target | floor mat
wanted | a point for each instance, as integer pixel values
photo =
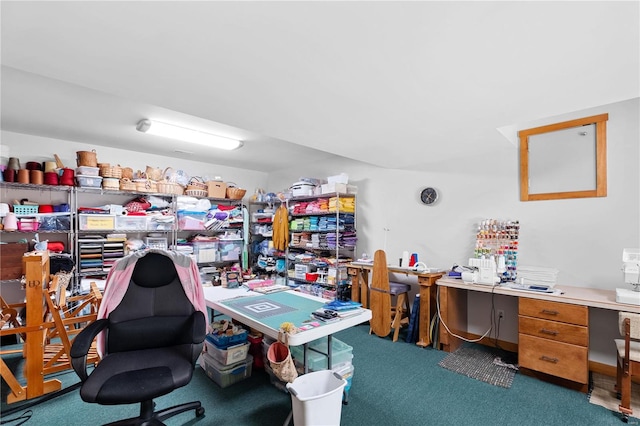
(603, 394)
(478, 364)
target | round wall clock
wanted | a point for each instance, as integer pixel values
(429, 196)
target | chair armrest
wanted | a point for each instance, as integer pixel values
(82, 344)
(198, 327)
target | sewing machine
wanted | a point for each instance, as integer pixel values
(485, 271)
(631, 271)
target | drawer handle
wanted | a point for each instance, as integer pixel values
(551, 332)
(549, 312)
(549, 359)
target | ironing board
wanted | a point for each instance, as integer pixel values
(380, 297)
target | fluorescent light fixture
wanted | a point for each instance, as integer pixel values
(187, 135)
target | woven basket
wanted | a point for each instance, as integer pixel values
(127, 185)
(108, 171)
(111, 183)
(127, 173)
(196, 192)
(196, 188)
(146, 185)
(166, 187)
(87, 158)
(234, 193)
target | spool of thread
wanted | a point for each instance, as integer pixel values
(405, 259)
(23, 176)
(36, 176)
(414, 259)
(10, 222)
(50, 178)
(67, 177)
(9, 175)
(14, 163)
(34, 165)
(49, 166)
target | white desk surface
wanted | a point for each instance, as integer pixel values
(213, 295)
(592, 297)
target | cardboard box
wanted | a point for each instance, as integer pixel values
(11, 260)
(216, 189)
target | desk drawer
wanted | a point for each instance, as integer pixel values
(554, 330)
(555, 358)
(554, 311)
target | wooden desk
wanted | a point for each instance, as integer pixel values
(452, 301)
(359, 274)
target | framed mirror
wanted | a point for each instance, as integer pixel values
(564, 160)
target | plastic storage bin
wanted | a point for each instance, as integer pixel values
(223, 341)
(206, 251)
(231, 355)
(89, 222)
(87, 171)
(316, 398)
(230, 250)
(226, 375)
(89, 181)
(191, 220)
(131, 223)
(340, 353)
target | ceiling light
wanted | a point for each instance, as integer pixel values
(187, 135)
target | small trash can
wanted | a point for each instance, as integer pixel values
(316, 398)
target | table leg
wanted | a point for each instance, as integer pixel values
(424, 339)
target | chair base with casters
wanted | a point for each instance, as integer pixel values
(628, 363)
(385, 316)
(148, 417)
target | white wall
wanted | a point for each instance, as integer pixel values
(583, 238)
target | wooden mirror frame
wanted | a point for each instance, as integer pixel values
(601, 159)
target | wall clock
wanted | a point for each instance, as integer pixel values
(429, 196)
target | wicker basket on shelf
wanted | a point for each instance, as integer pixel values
(196, 192)
(146, 185)
(166, 187)
(109, 171)
(196, 188)
(235, 193)
(111, 184)
(127, 185)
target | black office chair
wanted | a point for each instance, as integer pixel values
(153, 338)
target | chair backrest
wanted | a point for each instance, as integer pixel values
(154, 312)
(634, 323)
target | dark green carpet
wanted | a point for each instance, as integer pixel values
(394, 384)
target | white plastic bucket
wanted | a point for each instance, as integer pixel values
(316, 398)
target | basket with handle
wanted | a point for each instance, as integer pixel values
(196, 184)
(127, 185)
(235, 193)
(168, 184)
(109, 171)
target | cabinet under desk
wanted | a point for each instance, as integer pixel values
(553, 329)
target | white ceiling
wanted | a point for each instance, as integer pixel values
(395, 84)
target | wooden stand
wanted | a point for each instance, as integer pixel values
(47, 317)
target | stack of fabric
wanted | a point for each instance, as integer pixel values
(342, 204)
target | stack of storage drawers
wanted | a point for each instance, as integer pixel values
(225, 359)
(554, 338)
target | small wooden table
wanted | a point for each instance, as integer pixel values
(359, 273)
